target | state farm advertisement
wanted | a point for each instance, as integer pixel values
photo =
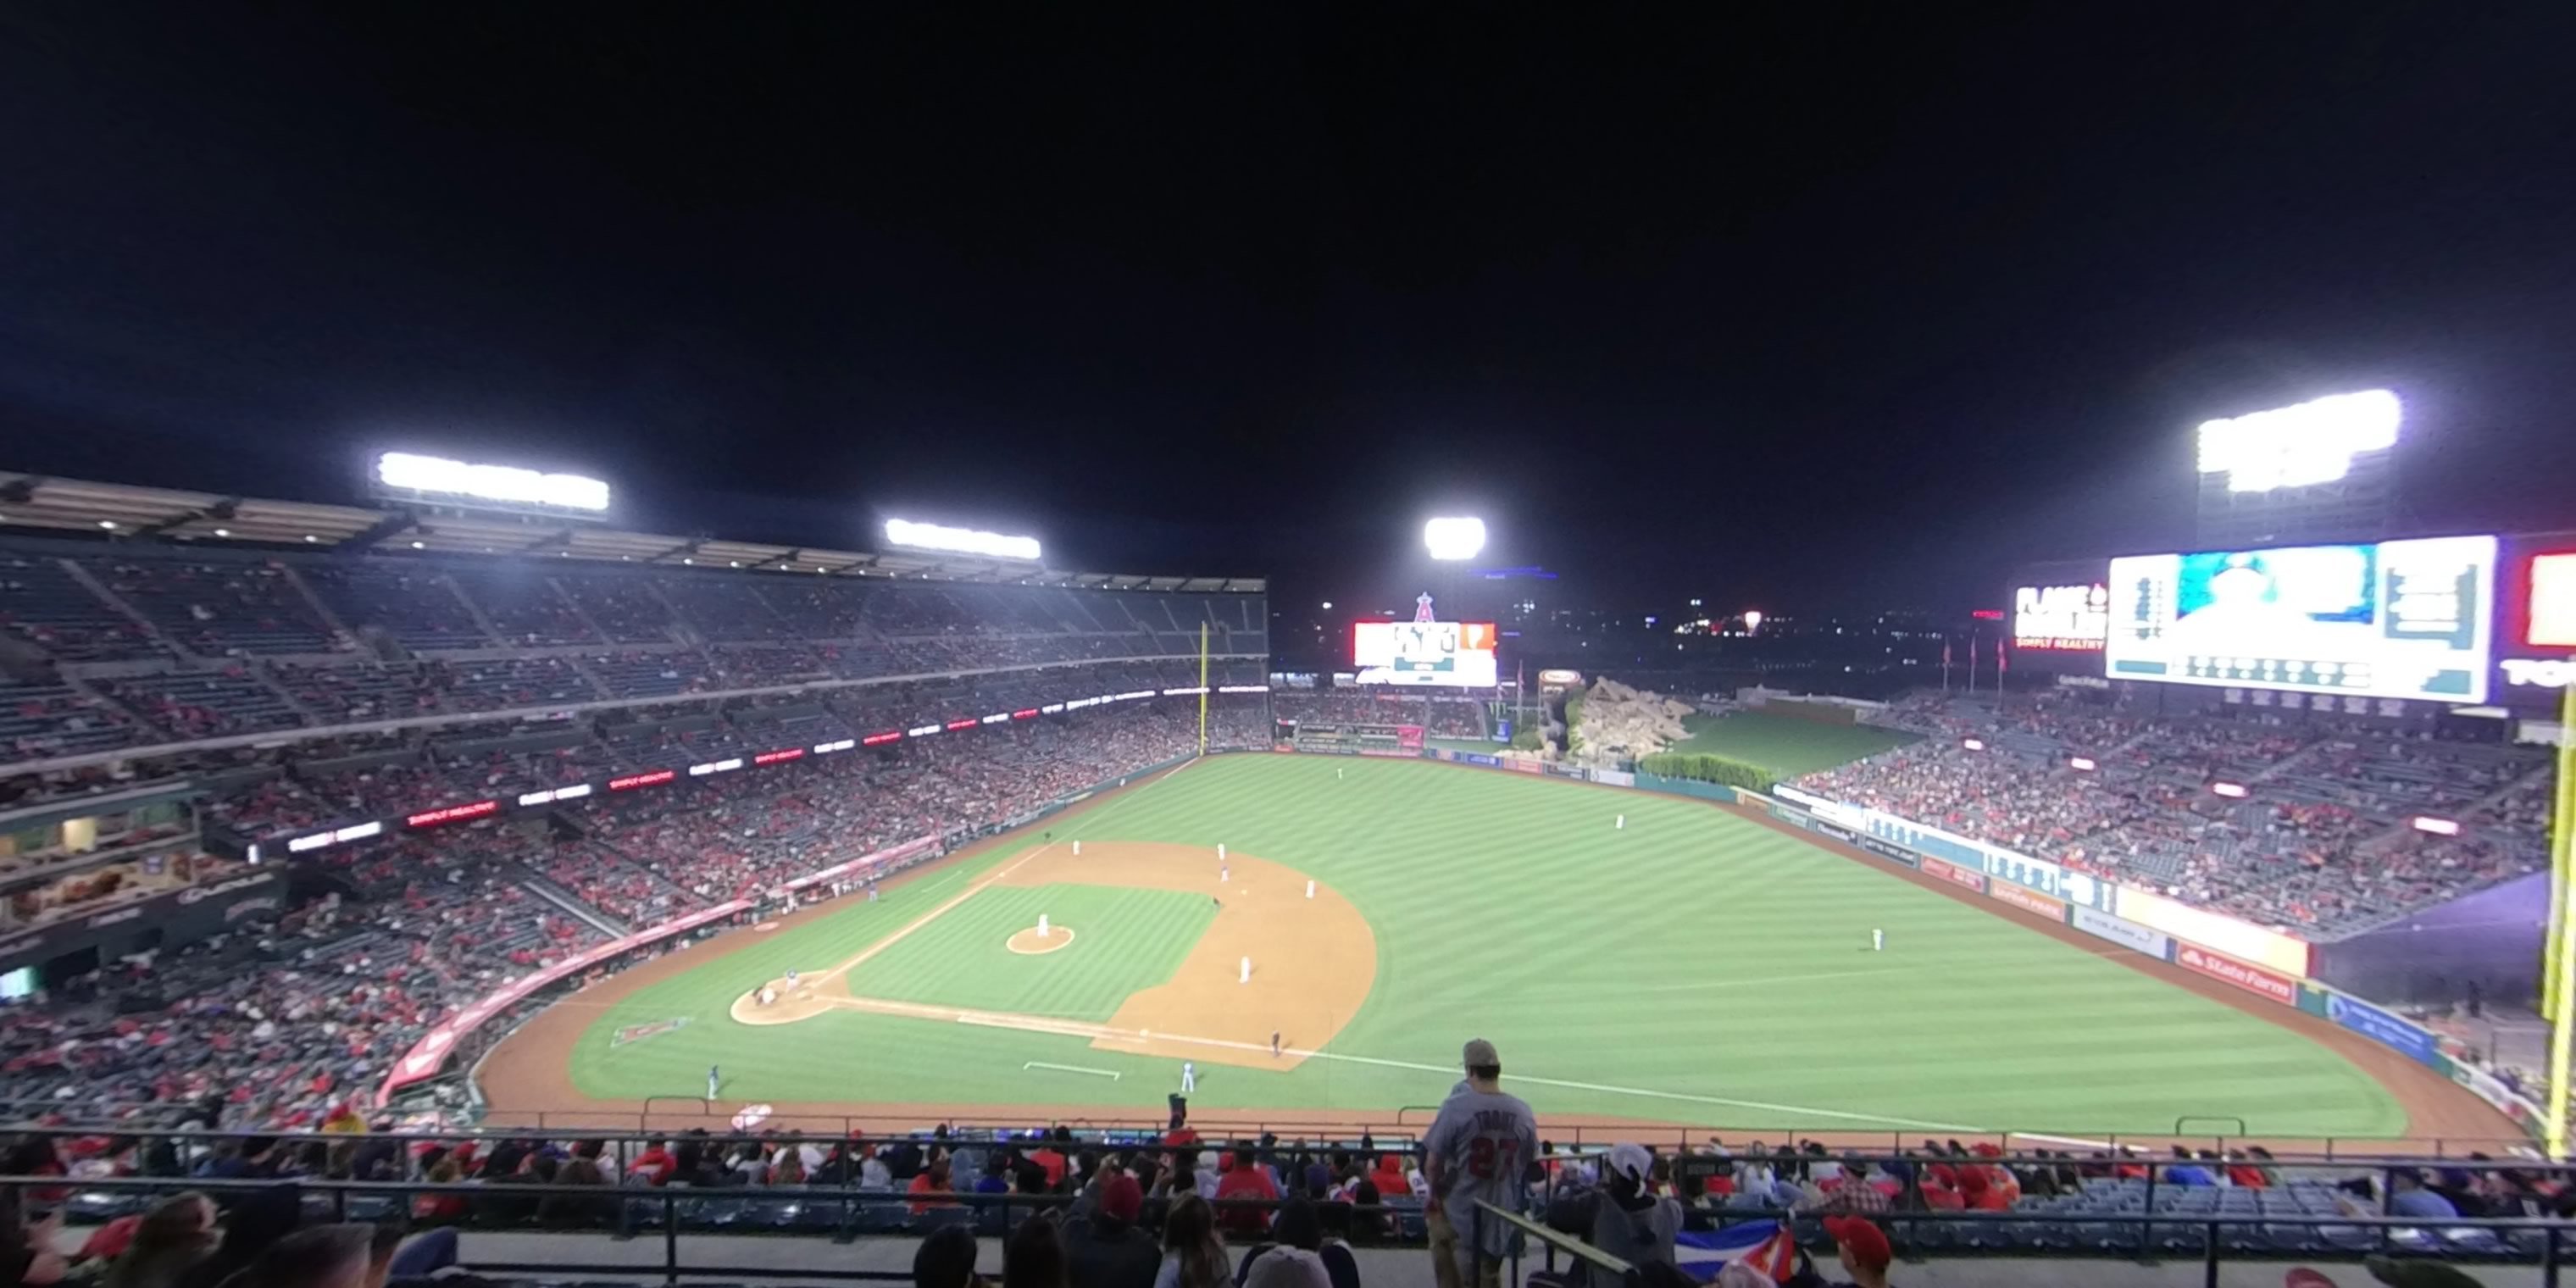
(2253, 979)
(1955, 874)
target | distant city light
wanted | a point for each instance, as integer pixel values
(490, 482)
(1752, 620)
(1328, 603)
(964, 541)
(1455, 538)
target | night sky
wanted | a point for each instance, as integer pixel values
(1823, 307)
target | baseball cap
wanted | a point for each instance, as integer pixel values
(1479, 1052)
(1868, 1244)
(1631, 1161)
(2416, 1272)
(1121, 1197)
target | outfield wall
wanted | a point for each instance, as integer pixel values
(2270, 965)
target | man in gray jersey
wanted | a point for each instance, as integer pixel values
(1478, 1148)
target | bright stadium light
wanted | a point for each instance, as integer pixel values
(2311, 443)
(1454, 538)
(490, 482)
(963, 541)
(1752, 620)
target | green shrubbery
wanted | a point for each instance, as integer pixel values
(1700, 766)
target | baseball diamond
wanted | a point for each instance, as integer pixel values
(1696, 966)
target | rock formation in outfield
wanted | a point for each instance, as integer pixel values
(1639, 722)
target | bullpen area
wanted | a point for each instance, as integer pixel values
(1635, 957)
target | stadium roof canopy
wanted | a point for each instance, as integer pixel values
(114, 509)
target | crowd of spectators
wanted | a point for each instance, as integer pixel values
(285, 1020)
(235, 647)
(2316, 829)
(1442, 717)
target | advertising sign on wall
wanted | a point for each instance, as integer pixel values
(2380, 1026)
(2122, 932)
(2271, 948)
(2005, 892)
(1953, 873)
(2251, 978)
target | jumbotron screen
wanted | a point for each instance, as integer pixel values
(2395, 619)
(1452, 654)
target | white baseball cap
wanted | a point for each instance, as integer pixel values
(1632, 1161)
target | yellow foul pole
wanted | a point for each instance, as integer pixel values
(2559, 986)
(1203, 688)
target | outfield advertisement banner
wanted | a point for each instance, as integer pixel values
(2487, 1087)
(2039, 875)
(1614, 777)
(2271, 948)
(1954, 873)
(2152, 943)
(2028, 902)
(1891, 853)
(2251, 978)
(1471, 758)
(2402, 1036)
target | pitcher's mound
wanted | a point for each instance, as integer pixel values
(1027, 941)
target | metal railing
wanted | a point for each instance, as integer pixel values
(845, 1213)
(673, 1212)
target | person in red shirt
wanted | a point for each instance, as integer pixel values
(655, 1163)
(1245, 1180)
(1389, 1176)
(1050, 1156)
(932, 1180)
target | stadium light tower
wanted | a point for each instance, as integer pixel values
(1454, 539)
(963, 541)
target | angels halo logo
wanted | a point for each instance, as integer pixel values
(639, 1032)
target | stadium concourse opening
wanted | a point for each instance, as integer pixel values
(1252, 990)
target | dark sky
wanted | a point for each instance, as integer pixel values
(1818, 306)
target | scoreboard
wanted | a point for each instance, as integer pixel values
(1444, 654)
(2391, 619)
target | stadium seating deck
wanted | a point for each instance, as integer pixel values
(2322, 843)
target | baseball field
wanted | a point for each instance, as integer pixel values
(1691, 966)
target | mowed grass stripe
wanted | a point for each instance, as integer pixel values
(1508, 907)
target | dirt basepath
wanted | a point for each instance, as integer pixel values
(1253, 975)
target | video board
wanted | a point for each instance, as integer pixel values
(2535, 619)
(2073, 618)
(1447, 654)
(2393, 619)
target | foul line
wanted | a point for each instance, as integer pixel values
(1110, 1074)
(1103, 1032)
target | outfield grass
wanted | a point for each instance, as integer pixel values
(1693, 966)
(1785, 745)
